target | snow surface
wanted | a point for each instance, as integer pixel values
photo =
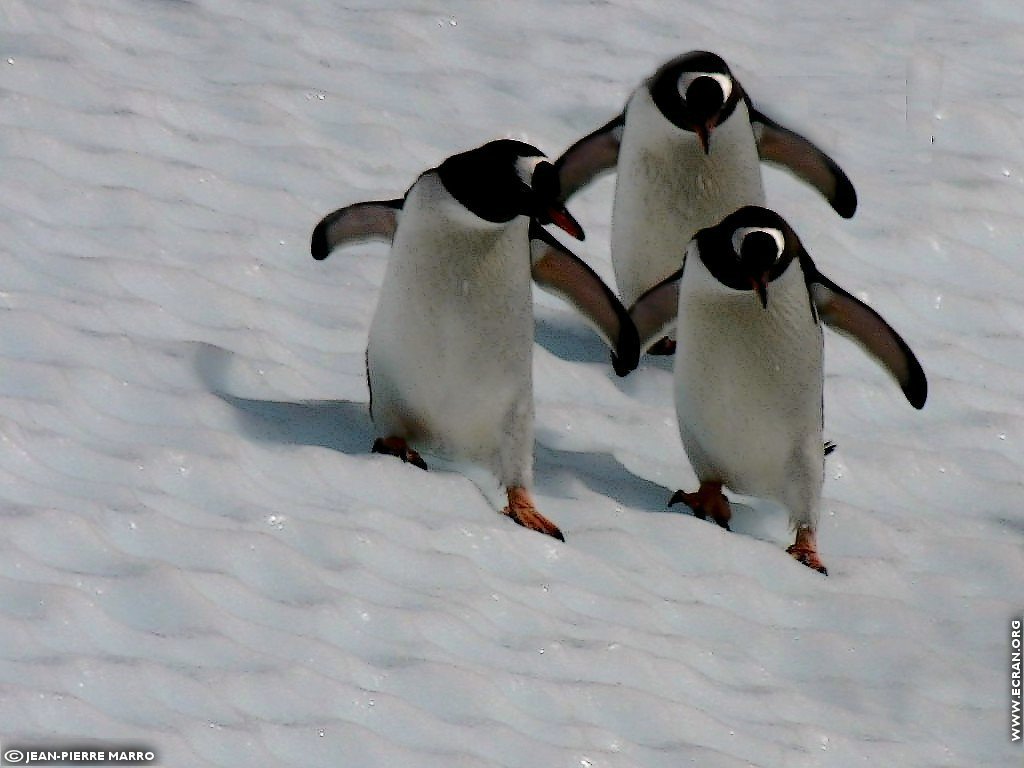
(199, 552)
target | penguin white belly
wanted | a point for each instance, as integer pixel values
(449, 358)
(667, 188)
(748, 387)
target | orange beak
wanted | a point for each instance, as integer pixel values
(704, 135)
(562, 219)
(760, 286)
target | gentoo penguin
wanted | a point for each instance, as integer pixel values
(687, 151)
(748, 367)
(449, 357)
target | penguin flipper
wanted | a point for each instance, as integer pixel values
(559, 271)
(374, 220)
(855, 319)
(782, 146)
(654, 313)
(591, 156)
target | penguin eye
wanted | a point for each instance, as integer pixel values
(525, 166)
(758, 238)
(689, 78)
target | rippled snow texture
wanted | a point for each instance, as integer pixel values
(200, 553)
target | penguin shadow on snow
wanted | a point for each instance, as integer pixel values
(555, 470)
(339, 425)
(345, 426)
(568, 338)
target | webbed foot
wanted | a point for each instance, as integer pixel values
(396, 446)
(663, 346)
(523, 511)
(708, 501)
(805, 550)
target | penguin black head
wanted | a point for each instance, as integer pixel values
(748, 249)
(504, 179)
(696, 92)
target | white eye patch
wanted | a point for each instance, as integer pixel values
(525, 166)
(724, 82)
(741, 233)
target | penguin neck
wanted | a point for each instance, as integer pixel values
(663, 137)
(787, 296)
(436, 222)
(441, 243)
(694, 187)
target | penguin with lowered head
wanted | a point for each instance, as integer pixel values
(748, 370)
(687, 151)
(449, 356)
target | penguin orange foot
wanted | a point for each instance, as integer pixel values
(805, 550)
(396, 446)
(708, 501)
(523, 511)
(664, 346)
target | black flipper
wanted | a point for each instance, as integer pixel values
(779, 145)
(594, 154)
(654, 313)
(853, 318)
(374, 220)
(559, 271)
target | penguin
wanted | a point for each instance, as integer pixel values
(687, 150)
(748, 370)
(449, 354)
